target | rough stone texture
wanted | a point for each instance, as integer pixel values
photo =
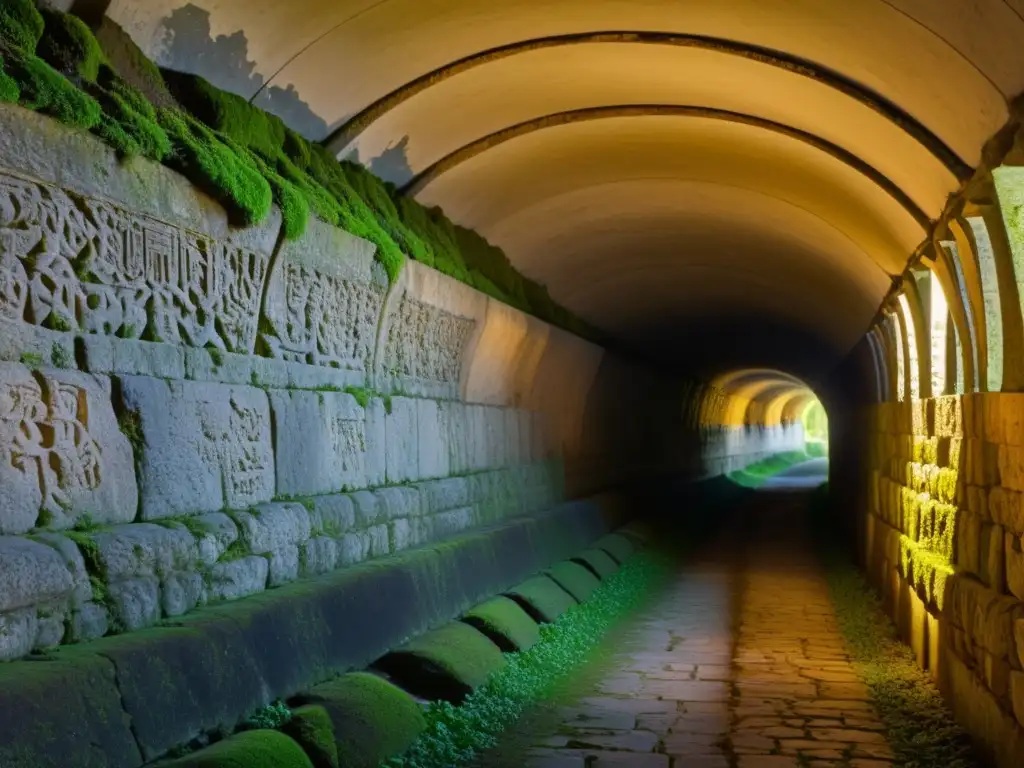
(136, 602)
(319, 442)
(220, 533)
(63, 454)
(319, 555)
(333, 515)
(399, 502)
(376, 443)
(18, 630)
(273, 526)
(402, 440)
(30, 573)
(238, 578)
(432, 441)
(181, 592)
(145, 549)
(447, 493)
(206, 446)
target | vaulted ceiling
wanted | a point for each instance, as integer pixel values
(657, 163)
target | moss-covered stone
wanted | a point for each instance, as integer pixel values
(447, 663)
(69, 47)
(372, 719)
(68, 706)
(312, 730)
(505, 623)
(542, 598)
(249, 749)
(21, 24)
(598, 561)
(45, 90)
(618, 546)
(574, 579)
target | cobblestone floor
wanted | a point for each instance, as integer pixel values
(739, 664)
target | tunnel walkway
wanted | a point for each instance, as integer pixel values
(739, 664)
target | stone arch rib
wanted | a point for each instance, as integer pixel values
(352, 128)
(471, 150)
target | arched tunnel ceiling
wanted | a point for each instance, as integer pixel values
(653, 162)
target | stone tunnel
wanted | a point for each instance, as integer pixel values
(432, 383)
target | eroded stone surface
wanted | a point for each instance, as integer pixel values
(206, 446)
(62, 455)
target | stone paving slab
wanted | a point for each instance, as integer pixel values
(739, 664)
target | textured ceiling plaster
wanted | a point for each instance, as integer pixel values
(642, 220)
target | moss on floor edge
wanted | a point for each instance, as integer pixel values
(455, 735)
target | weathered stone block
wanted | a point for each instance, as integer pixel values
(206, 446)
(333, 515)
(284, 565)
(402, 440)
(30, 573)
(1012, 417)
(367, 510)
(352, 548)
(63, 454)
(1007, 508)
(993, 557)
(273, 526)
(109, 354)
(181, 592)
(448, 493)
(220, 533)
(399, 501)
(1011, 466)
(433, 441)
(136, 602)
(146, 549)
(319, 555)
(1014, 563)
(18, 630)
(89, 622)
(968, 543)
(496, 443)
(993, 427)
(445, 524)
(319, 442)
(455, 422)
(238, 578)
(378, 541)
(375, 459)
(67, 549)
(1017, 695)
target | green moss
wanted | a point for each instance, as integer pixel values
(130, 424)
(211, 165)
(373, 719)
(274, 715)
(616, 545)
(60, 357)
(69, 47)
(542, 598)
(31, 359)
(10, 93)
(574, 579)
(21, 24)
(456, 735)
(445, 663)
(311, 728)
(598, 561)
(129, 122)
(216, 356)
(45, 90)
(918, 726)
(249, 749)
(505, 623)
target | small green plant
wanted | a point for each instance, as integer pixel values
(130, 424)
(272, 716)
(235, 551)
(216, 356)
(60, 357)
(31, 359)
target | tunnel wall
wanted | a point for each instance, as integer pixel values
(945, 486)
(194, 413)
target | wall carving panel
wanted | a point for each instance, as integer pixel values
(425, 342)
(70, 262)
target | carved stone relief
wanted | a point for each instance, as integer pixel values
(425, 342)
(61, 453)
(69, 262)
(322, 319)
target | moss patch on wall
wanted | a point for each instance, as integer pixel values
(242, 156)
(542, 598)
(574, 579)
(249, 749)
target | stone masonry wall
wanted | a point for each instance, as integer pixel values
(729, 448)
(191, 412)
(942, 541)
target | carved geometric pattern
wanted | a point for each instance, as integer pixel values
(70, 262)
(425, 342)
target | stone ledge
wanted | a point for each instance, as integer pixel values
(213, 667)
